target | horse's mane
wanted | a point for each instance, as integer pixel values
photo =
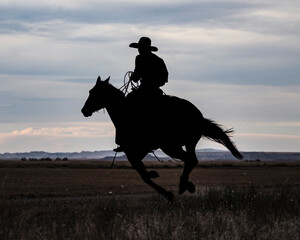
(116, 91)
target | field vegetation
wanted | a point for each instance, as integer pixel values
(88, 200)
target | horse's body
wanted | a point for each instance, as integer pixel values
(168, 123)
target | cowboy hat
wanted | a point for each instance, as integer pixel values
(145, 43)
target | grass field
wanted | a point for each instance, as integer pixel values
(88, 200)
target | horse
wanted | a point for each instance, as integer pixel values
(168, 122)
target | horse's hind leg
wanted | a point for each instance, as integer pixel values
(189, 165)
(190, 161)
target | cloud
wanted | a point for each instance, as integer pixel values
(267, 142)
(259, 142)
(71, 129)
(223, 41)
(44, 86)
(99, 136)
(212, 54)
(237, 61)
(230, 102)
(281, 124)
(96, 130)
(264, 135)
(59, 137)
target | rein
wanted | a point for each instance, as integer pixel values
(128, 83)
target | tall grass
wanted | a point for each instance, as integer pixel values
(226, 213)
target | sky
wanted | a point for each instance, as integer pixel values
(237, 61)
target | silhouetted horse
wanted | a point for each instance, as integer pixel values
(168, 123)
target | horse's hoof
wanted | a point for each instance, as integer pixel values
(181, 189)
(153, 174)
(190, 187)
(186, 186)
(170, 196)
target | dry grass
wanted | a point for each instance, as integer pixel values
(227, 213)
(71, 202)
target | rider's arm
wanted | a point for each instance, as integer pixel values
(136, 75)
(162, 74)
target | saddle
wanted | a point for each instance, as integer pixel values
(142, 118)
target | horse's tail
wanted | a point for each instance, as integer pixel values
(214, 131)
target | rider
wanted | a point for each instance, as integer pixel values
(152, 72)
(150, 69)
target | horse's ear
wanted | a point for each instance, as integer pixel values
(107, 80)
(98, 80)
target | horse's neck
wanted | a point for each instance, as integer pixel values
(115, 110)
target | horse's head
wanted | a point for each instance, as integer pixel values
(98, 97)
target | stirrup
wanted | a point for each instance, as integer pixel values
(118, 149)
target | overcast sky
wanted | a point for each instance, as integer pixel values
(237, 61)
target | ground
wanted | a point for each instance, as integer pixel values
(88, 200)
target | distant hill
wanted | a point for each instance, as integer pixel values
(69, 155)
(250, 156)
(202, 154)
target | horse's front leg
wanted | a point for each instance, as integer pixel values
(139, 166)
